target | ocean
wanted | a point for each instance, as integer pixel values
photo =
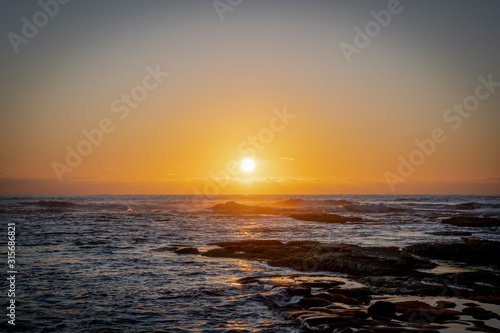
(108, 263)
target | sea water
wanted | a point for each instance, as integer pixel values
(106, 263)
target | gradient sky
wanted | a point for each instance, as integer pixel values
(353, 120)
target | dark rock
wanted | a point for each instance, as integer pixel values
(165, 248)
(309, 302)
(445, 305)
(234, 207)
(492, 299)
(469, 251)
(311, 257)
(472, 221)
(298, 291)
(328, 284)
(383, 329)
(187, 250)
(412, 305)
(339, 298)
(255, 242)
(355, 292)
(471, 304)
(421, 312)
(451, 233)
(326, 218)
(301, 203)
(479, 313)
(470, 280)
(343, 330)
(323, 320)
(295, 314)
(382, 309)
(466, 206)
(410, 285)
(482, 327)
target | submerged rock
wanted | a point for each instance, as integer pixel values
(187, 250)
(472, 221)
(309, 302)
(299, 291)
(165, 248)
(382, 309)
(451, 233)
(445, 304)
(326, 218)
(312, 257)
(469, 251)
(234, 207)
(320, 311)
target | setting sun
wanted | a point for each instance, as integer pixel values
(247, 165)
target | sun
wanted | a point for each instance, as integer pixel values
(247, 165)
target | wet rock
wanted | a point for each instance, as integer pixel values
(255, 242)
(326, 320)
(478, 281)
(187, 250)
(295, 314)
(445, 305)
(311, 203)
(311, 257)
(470, 251)
(480, 313)
(165, 248)
(412, 305)
(382, 309)
(451, 233)
(309, 302)
(410, 285)
(492, 299)
(234, 207)
(358, 293)
(343, 330)
(420, 312)
(472, 221)
(326, 218)
(299, 291)
(328, 284)
(466, 206)
(482, 327)
(470, 304)
(338, 298)
(396, 330)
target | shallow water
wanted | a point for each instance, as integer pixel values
(102, 263)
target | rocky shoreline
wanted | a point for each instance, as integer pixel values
(379, 292)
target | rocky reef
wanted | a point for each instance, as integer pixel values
(311, 256)
(327, 218)
(322, 303)
(471, 251)
(386, 289)
(472, 221)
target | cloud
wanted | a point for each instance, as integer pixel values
(288, 158)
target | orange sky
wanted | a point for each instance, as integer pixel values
(227, 80)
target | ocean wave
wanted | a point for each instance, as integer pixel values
(235, 207)
(64, 205)
(459, 206)
(303, 203)
(372, 208)
(54, 203)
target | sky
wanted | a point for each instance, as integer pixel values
(326, 97)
